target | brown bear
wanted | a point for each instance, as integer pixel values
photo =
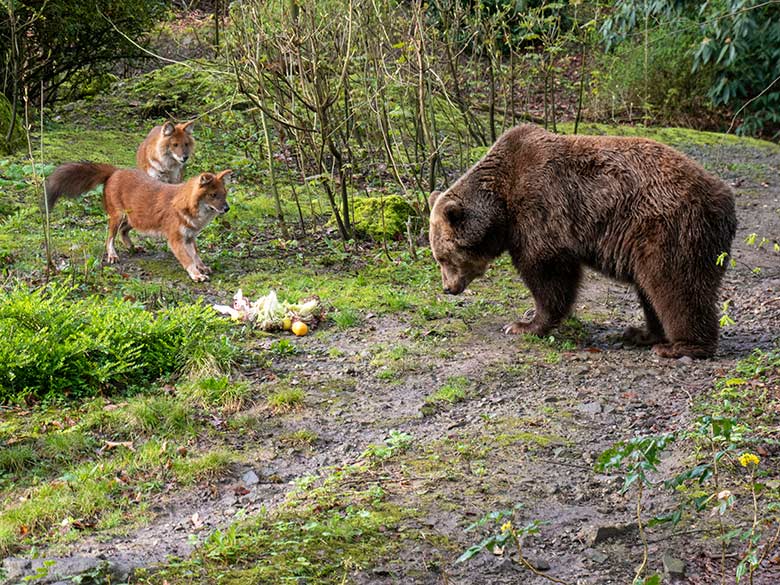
(633, 209)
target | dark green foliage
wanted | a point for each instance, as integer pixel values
(738, 49)
(741, 41)
(56, 347)
(511, 15)
(11, 139)
(46, 43)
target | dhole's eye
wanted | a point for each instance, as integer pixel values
(175, 144)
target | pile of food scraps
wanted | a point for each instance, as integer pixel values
(270, 314)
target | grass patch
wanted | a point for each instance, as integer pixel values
(220, 392)
(206, 466)
(345, 318)
(325, 530)
(17, 458)
(286, 399)
(83, 494)
(300, 439)
(454, 390)
(749, 393)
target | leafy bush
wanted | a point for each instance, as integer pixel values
(741, 41)
(50, 42)
(54, 347)
(737, 45)
(671, 90)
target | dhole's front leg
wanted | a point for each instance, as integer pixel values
(194, 253)
(181, 249)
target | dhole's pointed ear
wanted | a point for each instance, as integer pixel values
(206, 178)
(433, 197)
(187, 126)
(453, 211)
(224, 176)
(168, 129)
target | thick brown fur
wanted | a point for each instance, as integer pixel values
(134, 200)
(165, 150)
(633, 209)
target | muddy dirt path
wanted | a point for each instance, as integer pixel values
(535, 417)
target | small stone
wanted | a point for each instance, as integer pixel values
(591, 408)
(673, 567)
(685, 360)
(538, 564)
(596, 556)
(381, 570)
(250, 478)
(592, 535)
(14, 568)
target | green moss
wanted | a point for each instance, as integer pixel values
(678, 137)
(381, 218)
(527, 438)
(116, 148)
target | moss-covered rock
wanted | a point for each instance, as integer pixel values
(17, 136)
(381, 217)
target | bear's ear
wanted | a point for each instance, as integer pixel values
(453, 211)
(433, 197)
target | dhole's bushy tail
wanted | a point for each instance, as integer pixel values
(74, 179)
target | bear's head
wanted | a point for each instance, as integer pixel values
(467, 231)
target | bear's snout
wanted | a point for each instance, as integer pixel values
(453, 286)
(454, 290)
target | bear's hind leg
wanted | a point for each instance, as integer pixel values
(554, 287)
(689, 320)
(653, 333)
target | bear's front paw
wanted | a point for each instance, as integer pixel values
(641, 337)
(520, 328)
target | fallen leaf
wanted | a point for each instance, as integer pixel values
(108, 445)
